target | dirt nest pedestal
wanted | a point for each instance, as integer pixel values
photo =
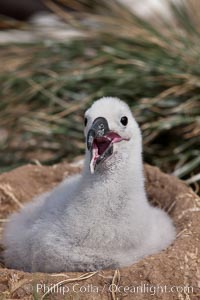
(170, 274)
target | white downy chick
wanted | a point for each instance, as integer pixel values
(97, 220)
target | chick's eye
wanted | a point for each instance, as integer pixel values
(85, 121)
(124, 120)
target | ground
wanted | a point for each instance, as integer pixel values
(171, 274)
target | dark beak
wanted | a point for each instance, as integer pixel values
(99, 128)
(98, 143)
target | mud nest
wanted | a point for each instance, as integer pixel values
(170, 274)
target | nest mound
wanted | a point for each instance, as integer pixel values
(170, 274)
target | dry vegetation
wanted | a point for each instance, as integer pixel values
(46, 86)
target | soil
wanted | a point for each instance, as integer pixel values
(165, 275)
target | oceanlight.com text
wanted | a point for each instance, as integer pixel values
(144, 288)
(150, 289)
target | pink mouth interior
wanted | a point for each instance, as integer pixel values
(102, 143)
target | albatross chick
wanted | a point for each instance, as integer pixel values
(98, 219)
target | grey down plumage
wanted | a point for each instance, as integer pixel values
(98, 219)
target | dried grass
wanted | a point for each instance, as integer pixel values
(154, 67)
(69, 280)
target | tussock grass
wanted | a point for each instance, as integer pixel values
(153, 66)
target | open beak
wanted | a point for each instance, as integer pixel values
(100, 142)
